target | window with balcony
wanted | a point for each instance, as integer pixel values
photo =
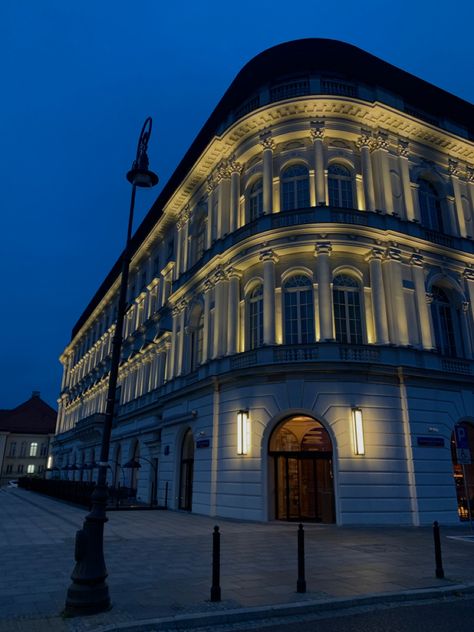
(298, 310)
(430, 206)
(295, 188)
(255, 200)
(255, 317)
(347, 310)
(446, 324)
(340, 187)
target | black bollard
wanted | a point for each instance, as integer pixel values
(437, 544)
(301, 583)
(216, 563)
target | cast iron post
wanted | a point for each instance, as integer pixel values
(88, 592)
(301, 583)
(216, 562)
(437, 544)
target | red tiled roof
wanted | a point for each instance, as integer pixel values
(33, 416)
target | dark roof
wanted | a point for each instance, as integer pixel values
(300, 57)
(32, 417)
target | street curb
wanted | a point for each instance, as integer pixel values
(260, 613)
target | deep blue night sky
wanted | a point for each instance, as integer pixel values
(79, 78)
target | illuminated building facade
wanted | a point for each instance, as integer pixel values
(300, 333)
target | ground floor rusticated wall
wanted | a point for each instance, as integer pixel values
(300, 461)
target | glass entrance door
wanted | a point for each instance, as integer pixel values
(304, 489)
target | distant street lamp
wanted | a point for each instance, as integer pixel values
(88, 592)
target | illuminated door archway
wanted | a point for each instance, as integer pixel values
(187, 470)
(301, 450)
(464, 477)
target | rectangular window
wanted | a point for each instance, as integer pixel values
(33, 449)
(9, 469)
(23, 448)
(44, 449)
(30, 469)
(19, 469)
(12, 448)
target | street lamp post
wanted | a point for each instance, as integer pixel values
(88, 592)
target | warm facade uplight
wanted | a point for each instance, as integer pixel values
(358, 431)
(243, 432)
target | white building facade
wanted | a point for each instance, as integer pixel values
(299, 337)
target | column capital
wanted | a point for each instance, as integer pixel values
(381, 141)
(465, 306)
(219, 275)
(223, 171)
(317, 130)
(208, 284)
(268, 255)
(265, 139)
(233, 273)
(429, 297)
(393, 254)
(469, 274)
(375, 254)
(417, 260)
(403, 148)
(211, 183)
(183, 217)
(234, 166)
(470, 174)
(454, 168)
(365, 139)
(322, 248)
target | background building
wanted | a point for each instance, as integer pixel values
(300, 330)
(25, 435)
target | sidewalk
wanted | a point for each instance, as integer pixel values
(159, 563)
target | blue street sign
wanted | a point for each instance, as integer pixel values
(461, 438)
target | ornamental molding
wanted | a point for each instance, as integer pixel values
(469, 274)
(376, 254)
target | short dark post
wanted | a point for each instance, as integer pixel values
(437, 544)
(301, 583)
(166, 495)
(216, 562)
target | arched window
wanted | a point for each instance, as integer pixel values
(340, 187)
(298, 310)
(255, 200)
(196, 342)
(445, 322)
(430, 206)
(347, 312)
(294, 188)
(200, 239)
(255, 317)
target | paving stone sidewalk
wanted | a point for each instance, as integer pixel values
(159, 563)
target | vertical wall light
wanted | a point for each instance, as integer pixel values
(243, 432)
(358, 431)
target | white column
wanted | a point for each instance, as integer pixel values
(403, 153)
(180, 358)
(422, 307)
(220, 314)
(469, 280)
(323, 273)
(211, 185)
(379, 305)
(174, 343)
(185, 240)
(383, 190)
(223, 198)
(207, 320)
(233, 325)
(470, 190)
(394, 296)
(268, 144)
(364, 144)
(454, 172)
(317, 134)
(269, 258)
(236, 169)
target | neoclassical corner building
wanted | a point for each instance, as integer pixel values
(299, 337)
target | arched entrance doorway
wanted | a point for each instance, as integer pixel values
(464, 473)
(301, 450)
(186, 474)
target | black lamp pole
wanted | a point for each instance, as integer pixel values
(88, 592)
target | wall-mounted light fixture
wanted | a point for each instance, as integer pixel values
(243, 432)
(358, 431)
